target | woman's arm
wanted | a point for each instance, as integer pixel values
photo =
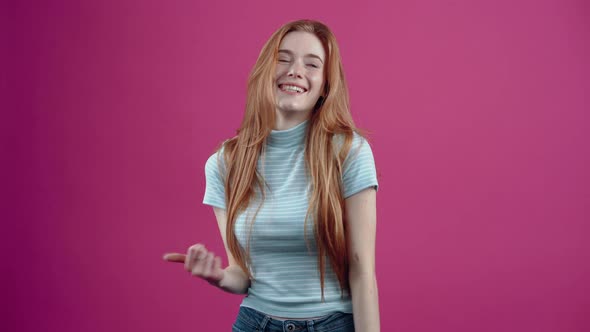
(361, 217)
(234, 279)
(206, 265)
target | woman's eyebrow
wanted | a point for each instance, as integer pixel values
(310, 55)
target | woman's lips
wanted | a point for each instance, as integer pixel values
(292, 89)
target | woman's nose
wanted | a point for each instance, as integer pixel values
(294, 69)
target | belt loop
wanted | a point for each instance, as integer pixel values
(264, 322)
(310, 326)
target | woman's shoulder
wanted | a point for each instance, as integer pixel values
(216, 161)
(356, 139)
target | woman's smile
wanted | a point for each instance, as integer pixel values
(299, 75)
(292, 89)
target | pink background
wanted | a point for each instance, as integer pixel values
(480, 129)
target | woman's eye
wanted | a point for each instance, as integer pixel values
(283, 60)
(313, 65)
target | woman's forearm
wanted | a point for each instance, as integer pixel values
(234, 280)
(365, 302)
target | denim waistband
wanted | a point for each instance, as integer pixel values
(252, 320)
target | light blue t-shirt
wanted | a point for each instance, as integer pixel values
(287, 280)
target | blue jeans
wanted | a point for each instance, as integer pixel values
(250, 320)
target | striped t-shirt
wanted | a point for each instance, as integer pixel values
(286, 276)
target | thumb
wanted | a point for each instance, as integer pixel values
(174, 257)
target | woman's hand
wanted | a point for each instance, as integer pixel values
(204, 264)
(200, 263)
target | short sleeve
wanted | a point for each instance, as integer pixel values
(359, 170)
(215, 187)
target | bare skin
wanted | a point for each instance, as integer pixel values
(204, 264)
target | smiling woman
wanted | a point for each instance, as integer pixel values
(294, 196)
(299, 77)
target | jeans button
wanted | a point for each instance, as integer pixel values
(290, 327)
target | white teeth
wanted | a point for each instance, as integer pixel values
(291, 88)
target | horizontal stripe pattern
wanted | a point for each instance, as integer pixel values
(284, 254)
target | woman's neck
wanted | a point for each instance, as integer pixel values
(289, 119)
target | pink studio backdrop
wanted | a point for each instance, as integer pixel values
(479, 119)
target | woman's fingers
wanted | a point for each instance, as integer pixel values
(199, 262)
(212, 271)
(194, 254)
(175, 257)
(217, 270)
(208, 265)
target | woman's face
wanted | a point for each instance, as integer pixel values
(299, 76)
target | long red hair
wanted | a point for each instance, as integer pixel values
(330, 117)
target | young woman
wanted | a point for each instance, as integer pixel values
(294, 196)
